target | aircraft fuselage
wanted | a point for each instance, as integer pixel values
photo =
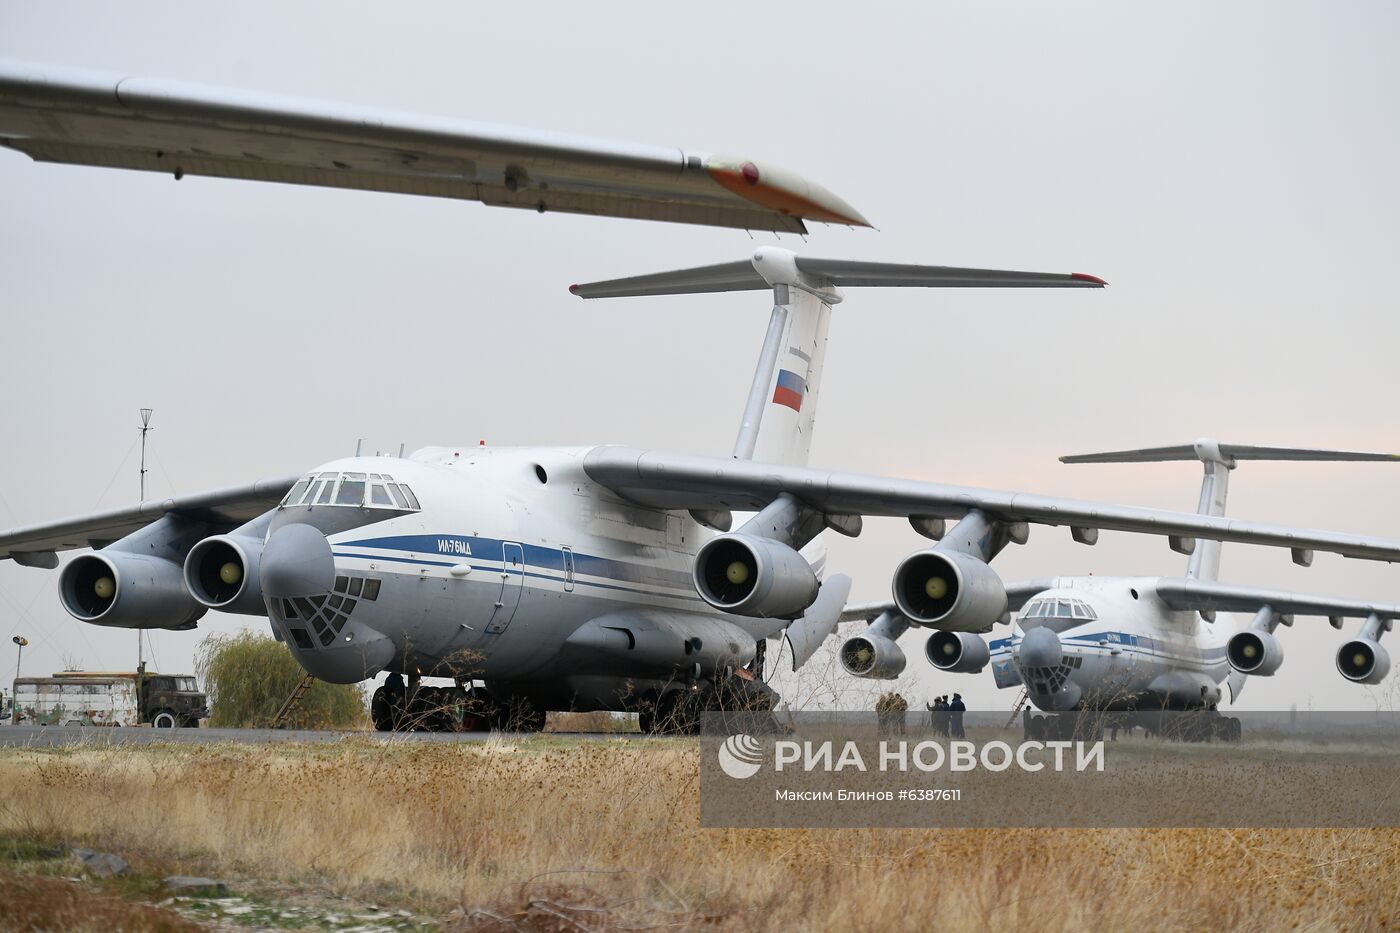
(1108, 643)
(515, 569)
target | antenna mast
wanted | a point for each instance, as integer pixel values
(145, 429)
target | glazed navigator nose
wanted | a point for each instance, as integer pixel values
(297, 561)
(1039, 647)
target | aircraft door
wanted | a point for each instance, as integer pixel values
(512, 583)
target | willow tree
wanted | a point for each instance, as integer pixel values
(248, 677)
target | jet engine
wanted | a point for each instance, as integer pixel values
(950, 591)
(873, 656)
(222, 572)
(1363, 661)
(1254, 652)
(127, 590)
(957, 652)
(752, 576)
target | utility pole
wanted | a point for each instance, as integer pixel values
(145, 429)
(20, 641)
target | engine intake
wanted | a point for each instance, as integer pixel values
(949, 590)
(1363, 661)
(872, 656)
(957, 652)
(753, 576)
(1255, 653)
(222, 573)
(127, 591)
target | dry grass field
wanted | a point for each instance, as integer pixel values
(552, 834)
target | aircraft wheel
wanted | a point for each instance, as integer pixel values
(518, 715)
(678, 712)
(381, 708)
(479, 710)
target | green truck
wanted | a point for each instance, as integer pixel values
(102, 698)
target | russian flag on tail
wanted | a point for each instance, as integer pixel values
(791, 388)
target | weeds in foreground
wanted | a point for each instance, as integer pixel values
(543, 834)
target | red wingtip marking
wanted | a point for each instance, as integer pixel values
(573, 289)
(1086, 277)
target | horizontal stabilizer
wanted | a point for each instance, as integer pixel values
(771, 266)
(1207, 450)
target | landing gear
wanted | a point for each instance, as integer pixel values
(1063, 727)
(678, 711)
(1196, 725)
(386, 708)
(479, 710)
(449, 709)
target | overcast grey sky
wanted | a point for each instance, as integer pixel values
(1230, 169)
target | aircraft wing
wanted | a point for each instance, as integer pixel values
(36, 545)
(55, 113)
(675, 481)
(1205, 596)
(1017, 595)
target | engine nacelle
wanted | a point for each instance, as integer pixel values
(1363, 661)
(752, 576)
(127, 590)
(222, 573)
(957, 652)
(872, 656)
(1252, 652)
(949, 590)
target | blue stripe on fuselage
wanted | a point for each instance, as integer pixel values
(535, 555)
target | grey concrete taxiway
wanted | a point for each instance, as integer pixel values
(64, 736)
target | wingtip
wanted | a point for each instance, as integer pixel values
(782, 192)
(1086, 277)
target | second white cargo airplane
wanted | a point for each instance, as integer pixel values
(1139, 643)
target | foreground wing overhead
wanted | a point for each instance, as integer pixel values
(35, 545)
(674, 481)
(55, 113)
(1206, 596)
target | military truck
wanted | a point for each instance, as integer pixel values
(97, 698)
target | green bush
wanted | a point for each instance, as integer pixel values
(249, 676)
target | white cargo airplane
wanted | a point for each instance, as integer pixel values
(56, 113)
(1138, 643)
(584, 578)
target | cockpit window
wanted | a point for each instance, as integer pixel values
(357, 490)
(1060, 609)
(297, 492)
(352, 489)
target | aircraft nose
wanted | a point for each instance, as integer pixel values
(297, 561)
(1040, 647)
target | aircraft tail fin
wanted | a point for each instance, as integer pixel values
(1218, 460)
(781, 409)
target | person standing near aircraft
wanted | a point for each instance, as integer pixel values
(940, 715)
(955, 717)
